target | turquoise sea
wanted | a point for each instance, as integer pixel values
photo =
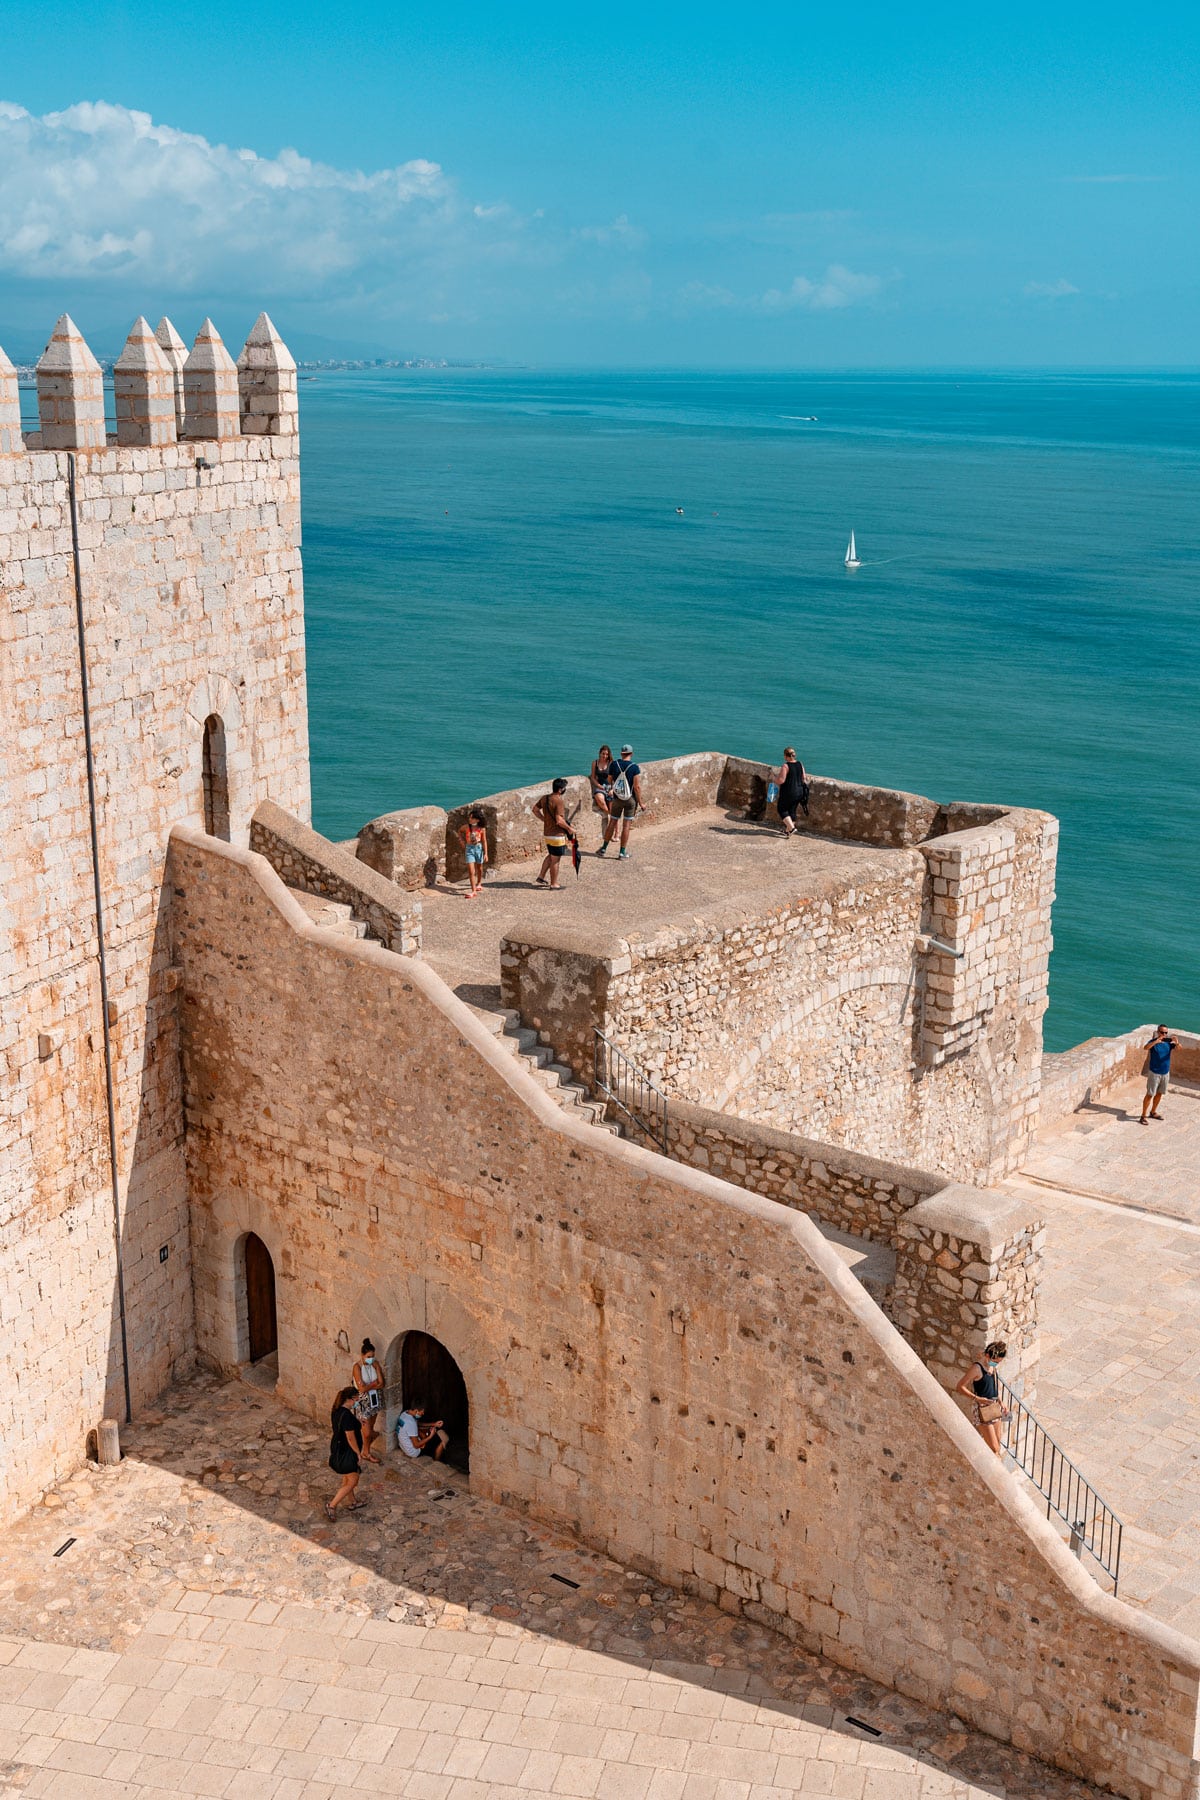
(497, 579)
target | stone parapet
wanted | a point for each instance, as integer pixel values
(844, 809)
(144, 390)
(968, 1272)
(70, 390)
(306, 860)
(10, 409)
(406, 847)
(860, 1194)
(968, 908)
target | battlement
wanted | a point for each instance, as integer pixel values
(162, 393)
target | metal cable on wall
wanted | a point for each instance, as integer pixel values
(99, 908)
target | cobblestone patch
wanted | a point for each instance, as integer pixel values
(206, 1630)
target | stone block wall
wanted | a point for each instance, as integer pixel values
(859, 1194)
(408, 848)
(193, 608)
(968, 1260)
(968, 1273)
(306, 860)
(830, 1013)
(678, 1372)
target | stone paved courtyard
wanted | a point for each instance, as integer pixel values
(1119, 1386)
(206, 1631)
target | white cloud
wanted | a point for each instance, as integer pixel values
(1049, 290)
(839, 287)
(101, 193)
(620, 235)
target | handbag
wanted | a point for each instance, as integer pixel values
(990, 1411)
(772, 792)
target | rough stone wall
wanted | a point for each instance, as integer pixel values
(968, 1273)
(680, 1372)
(859, 1194)
(192, 601)
(306, 860)
(832, 1014)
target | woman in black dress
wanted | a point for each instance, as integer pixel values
(345, 1448)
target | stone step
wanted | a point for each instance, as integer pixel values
(331, 915)
(558, 1078)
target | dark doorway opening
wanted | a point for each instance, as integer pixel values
(216, 779)
(262, 1331)
(430, 1377)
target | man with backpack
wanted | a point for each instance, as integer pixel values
(624, 800)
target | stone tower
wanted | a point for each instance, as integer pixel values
(150, 604)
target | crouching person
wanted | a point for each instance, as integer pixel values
(414, 1438)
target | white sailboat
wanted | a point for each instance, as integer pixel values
(852, 561)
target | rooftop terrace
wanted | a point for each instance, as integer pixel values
(712, 863)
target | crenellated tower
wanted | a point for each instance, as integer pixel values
(150, 604)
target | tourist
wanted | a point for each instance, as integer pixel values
(625, 800)
(602, 777)
(345, 1447)
(793, 791)
(413, 1438)
(473, 838)
(1158, 1071)
(981, 1387)
(368, 1381)
(557, 835)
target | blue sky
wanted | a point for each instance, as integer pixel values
(770, 186)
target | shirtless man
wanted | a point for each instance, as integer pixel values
(551, 809)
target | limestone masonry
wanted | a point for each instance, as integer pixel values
(253, 1112)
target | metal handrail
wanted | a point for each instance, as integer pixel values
(1093, 1525)
(630, 1090)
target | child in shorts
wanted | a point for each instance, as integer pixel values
(473, 838)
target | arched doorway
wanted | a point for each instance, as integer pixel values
(262, 1332)
(216, 779)
(429, 1376)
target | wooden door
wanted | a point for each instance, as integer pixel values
(429, 1376)
(260, 1299)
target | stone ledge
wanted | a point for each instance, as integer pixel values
(973, 1215)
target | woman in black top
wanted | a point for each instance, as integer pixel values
(793, 791)
(980, 1386)
(345, 1448)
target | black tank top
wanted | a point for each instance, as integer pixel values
(985, 1386)
(792, 785)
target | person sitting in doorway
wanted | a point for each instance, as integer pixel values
(414, 1439)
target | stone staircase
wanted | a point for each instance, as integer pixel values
(556, 1077)
(330, 915)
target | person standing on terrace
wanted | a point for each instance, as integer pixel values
(473, 838)
(625, 800)
(557, 835)
(793, 791)
(603, 774)
(1158, 1072)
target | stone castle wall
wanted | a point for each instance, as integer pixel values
(680, 1372)
(842, 1013)
(190, 574)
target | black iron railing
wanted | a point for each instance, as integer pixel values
(631, 1091)
(1092, 1526)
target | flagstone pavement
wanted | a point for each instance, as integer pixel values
(1119, 1383)
(188, 1623)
